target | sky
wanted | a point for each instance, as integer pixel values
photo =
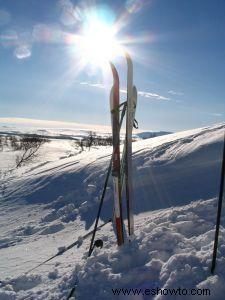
(177, 47)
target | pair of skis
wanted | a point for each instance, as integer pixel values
(122, 172)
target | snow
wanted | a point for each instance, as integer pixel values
(150, 134)
(51, 202)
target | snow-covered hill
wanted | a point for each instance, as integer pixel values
(53, 200)
(150, 134)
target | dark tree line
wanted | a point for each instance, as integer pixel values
(93, 140)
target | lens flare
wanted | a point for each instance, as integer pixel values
(97, 36)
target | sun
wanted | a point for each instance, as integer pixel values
(97, 42)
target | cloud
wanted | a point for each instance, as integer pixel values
(100, 86)
(216, 114)
(22, 51)
(213, 114)
(152, 96)
(5, 17)
(97, 85)
(175, 93)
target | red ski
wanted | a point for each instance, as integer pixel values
(115, 117)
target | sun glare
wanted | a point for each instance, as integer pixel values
(98, 43)
(98, 39)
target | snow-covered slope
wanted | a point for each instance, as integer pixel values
(169, 170)
(150, 134)
(52, 201)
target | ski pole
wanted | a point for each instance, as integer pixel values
(104, 188)
(219, 209)
(60, 252)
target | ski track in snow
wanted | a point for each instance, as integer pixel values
(51, 202)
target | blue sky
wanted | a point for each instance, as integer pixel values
(177, 47)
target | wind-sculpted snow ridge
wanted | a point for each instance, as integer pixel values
(172, 249)
(168, 170)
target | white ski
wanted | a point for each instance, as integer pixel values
(131, 106)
